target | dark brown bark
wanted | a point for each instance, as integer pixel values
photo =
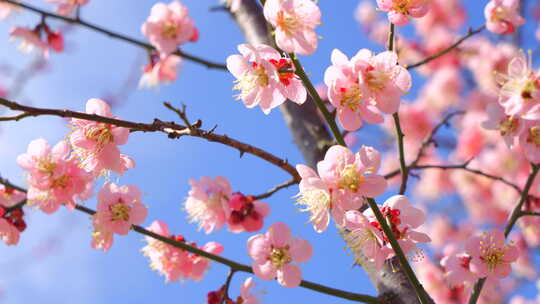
(312, 138)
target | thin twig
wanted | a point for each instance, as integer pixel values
(225, 294)
(95, 28)
(276, 189)
(529, 213)
(465, 167)
(230, 263)
(469, 34)
(172, 129)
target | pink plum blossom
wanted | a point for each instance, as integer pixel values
(264, 78)
(10, 196)
(55, 178)
(8, 233)
(529, 140)
(96, 143)
(160, 70)
(503, 16)
(168, 26)
(66, 7)
(207, 202)
(345, 93)
(458, 271)
(101, 238)
(491, 257)
(275, 251)
(508, 126)
(245, 294)
(364, 85)
(403, 218)
(246, 213)
(399, 11)
(342, 182)
(295, 22)
(364, 240)
(119, 208)
(383, 79)
(175, 263)
(520, 91)
(30, 41)
(6, 9)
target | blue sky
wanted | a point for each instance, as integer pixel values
(95, 66)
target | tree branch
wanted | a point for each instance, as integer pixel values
(469, 34)
(172, 129)
(275, 189)
(98, 29)
(235, 266)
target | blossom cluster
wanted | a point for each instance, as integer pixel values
(342, 182)
(364, 86)
(168, 27)
(211, 203)
(175, 263)
(12, 221)
(264, 77)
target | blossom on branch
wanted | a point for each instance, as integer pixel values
(206, 202)
(295, 22)
(96, 143)
(343, 180)
(66, 7)
(364, 86)
(168, 26)
(175, 263)
(367, 237)
(10, 196)
(246, 213)
(265, 78)
(119, 208)
(161, 69)
(274, 252)
(55, 177)
(502, 16)
(30, 40)
(490, 256)
(399, 11)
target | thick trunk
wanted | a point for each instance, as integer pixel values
(312, 137)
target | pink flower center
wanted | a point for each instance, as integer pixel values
(492, 257)
(350, 97)
(402, 6)
(170, 29)
(46, 166)
(60, 182)
(120, 212)
(534, 136)
(376, 78)
(508, 125)
(101, 134)
(350, 179)
(280, 257)
(287, 22)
